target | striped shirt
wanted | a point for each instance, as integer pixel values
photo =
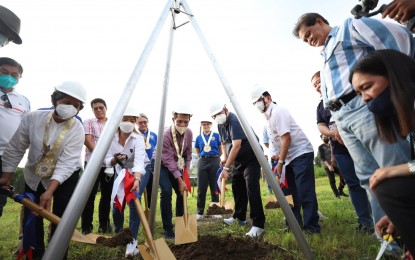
(347, 44)
(94, 128)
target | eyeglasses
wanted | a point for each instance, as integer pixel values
(142, 122)
(6, 101)
(100, 108)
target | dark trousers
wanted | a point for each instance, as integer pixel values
(61, 198)
(3, 198)
(358, 195)
(104, 207)
(246, 188)
(302, 186)
(396, 196)
(332, 180)
(167, 184)
(206, 176)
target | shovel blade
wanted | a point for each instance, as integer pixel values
(289, 199)
(88, 239)
(185, 232)
(229, 205)
(162, 251)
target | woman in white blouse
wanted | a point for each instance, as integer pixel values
(128, 148)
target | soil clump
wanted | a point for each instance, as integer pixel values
(122, 238)
(217, 210)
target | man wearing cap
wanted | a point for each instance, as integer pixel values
(176, 155)
(55, 140)
(296, 153)
(93, 128)
(246, 171)
(207, 147)
(9, 27)
(13, 106)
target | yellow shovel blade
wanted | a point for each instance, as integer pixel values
(185, 232)
(162, 249)
(289, 199)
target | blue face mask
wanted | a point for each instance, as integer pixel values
(7, 81)
(382, 104)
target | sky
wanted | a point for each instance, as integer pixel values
(99, 42)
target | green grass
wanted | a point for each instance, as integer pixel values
(338, 240)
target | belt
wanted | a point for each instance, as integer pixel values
(209, 156)
(336, 105)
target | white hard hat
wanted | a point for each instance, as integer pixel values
(257, 91)
(206, 119)
(216, 108)
(131, 111)
(73, 89)
(182, 109)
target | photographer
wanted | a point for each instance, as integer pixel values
(400, 10)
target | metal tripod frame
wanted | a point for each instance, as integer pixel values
(60, 241)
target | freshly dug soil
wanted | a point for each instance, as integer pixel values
(272, 205)
(122, 238)
(229, 248)
(217, 210)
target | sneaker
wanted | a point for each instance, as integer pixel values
(199, 217)
(255, 232)
(321, 216)
(131, 249)
(231, 220)
(169, 234)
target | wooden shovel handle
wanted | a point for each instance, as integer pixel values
(222, 193)
(185, 207)
(146, 227)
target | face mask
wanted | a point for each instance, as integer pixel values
(260, 105)
(7, 81)
(66, 111)
(3, 40)
(181, 129)
(220, 119)
(127, 127)
(382, 104)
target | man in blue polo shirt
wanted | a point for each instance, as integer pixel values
(246, 172)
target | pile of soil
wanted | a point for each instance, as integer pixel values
(230, 248)
(122, 238)
(272, 205)
(217, 210)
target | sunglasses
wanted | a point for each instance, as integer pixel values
(6, 101)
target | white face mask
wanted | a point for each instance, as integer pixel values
(127, 127)
(65, 111)
(220, 119)
(260, 105)
(181, 129)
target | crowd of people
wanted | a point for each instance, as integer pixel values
(366, 117)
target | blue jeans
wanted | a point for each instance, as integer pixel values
(357, 128)
(358, 195)
(356, 125)
(167, 184)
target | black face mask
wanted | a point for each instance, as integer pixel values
(382, 104)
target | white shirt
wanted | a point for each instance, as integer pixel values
(10, 117)
(134, 148)
(30, 135)
(281, 122)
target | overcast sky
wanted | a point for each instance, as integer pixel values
(98, 42)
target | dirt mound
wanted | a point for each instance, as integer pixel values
(229, 248)
(272, 205)
(122, 238)
(217, 210)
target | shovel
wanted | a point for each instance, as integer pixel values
(222, 202)
(77, 236)
(186, 226)
(147, 209)
(157, 249)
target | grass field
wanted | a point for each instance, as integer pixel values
(338, 240)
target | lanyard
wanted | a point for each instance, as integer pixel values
(176, 146)
(208, 141)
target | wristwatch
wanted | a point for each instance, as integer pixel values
(281, 162)
(225, 168)
(411, 166)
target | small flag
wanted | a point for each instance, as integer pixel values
(186, 178)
